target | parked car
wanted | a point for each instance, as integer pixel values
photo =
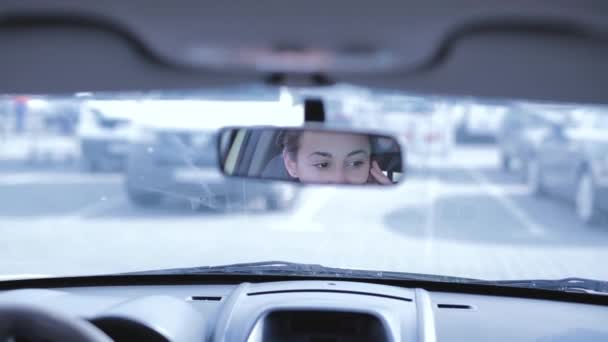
(46, 135)
(103, 133)
(572, 162)
(480, 123)
(175, 156)
(429, 135)
(521, 131)
(424, 125)
(62, 116)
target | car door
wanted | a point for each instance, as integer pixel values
(558, 158)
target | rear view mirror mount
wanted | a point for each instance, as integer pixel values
(310, 155)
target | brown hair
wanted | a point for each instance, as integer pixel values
(289, 141)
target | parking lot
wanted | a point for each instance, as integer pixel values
(457, 214)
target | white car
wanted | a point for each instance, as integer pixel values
(103, 131)
(426, 133)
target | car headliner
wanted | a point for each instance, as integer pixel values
(543, 50)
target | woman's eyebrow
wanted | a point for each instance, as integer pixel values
(356, 152)
(322, 154)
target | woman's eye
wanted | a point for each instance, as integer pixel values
(357, 163)
(322, 165)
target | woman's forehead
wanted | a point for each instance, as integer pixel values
(333, 141)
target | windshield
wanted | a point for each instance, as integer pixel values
(122, 182)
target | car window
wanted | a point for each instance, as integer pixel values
(96, 183)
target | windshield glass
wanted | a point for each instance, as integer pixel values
(120, 182)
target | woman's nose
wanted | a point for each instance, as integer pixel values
(338, 177)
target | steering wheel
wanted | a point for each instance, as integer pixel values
(33, 322)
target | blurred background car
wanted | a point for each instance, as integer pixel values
(62, 116)
(480, 122)
(522, 130)
(42, 130)
(426, 126)
(572, 163)
(428, 135)
(103, 133)
(173, 152)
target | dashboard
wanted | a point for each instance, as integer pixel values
(311, 310)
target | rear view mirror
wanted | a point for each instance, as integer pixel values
(306, 155)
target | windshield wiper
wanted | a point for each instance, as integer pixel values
(580, 285)
(286, 268)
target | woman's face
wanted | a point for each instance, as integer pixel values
(339, 158)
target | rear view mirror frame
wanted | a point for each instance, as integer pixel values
(386, 150)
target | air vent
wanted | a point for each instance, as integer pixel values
(206, 298)
(455, 306)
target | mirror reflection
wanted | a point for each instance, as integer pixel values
(311, 156)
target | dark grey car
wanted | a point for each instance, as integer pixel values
(572, 163)
(183, 165)
(520, 134)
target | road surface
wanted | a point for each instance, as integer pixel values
(459, 216)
